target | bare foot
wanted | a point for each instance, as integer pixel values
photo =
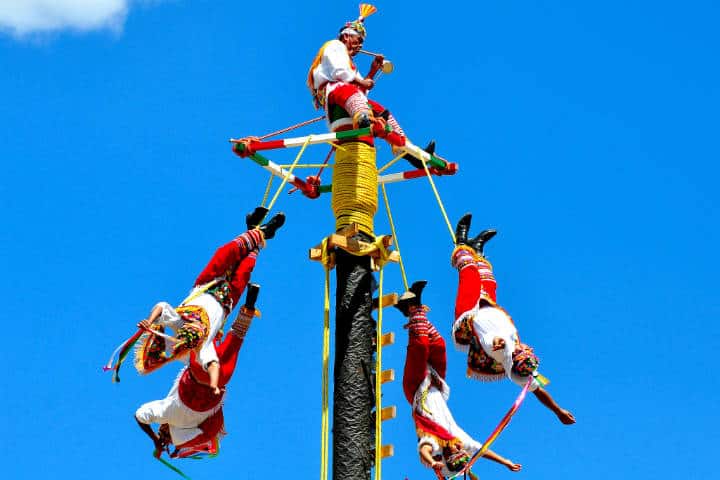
(565, 417)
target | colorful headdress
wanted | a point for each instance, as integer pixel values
(357, 27)
(525, 362)
(455, 459)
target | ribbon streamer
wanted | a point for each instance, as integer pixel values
(171, 467)
(496, 433)
(122, 351)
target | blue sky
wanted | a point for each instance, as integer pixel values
(586, 134)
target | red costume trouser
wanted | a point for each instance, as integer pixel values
(235, 261)
(354, 100)
(421, 352)
(194, 391)
(469, 288)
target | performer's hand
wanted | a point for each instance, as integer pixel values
(145, 324)
(498, 344)
(159, 447)
(565, 416)
(514, 467)
(217, 391)
(366, 83)
(377, 63)
(437, 465)
(164, 436)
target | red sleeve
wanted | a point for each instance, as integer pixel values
(223, 260)
(415, 364)
(468, 290)
(228, 354)
(241, 277)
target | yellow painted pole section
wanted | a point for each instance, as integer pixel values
(355, 187)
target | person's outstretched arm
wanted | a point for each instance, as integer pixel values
(490, 455)
(546, 399)
(427, 459)
(150, 433)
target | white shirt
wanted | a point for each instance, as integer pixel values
(440, 414)
(491, 322)
(216, 316)
(335, 66)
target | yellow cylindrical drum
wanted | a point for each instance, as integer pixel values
(355, 187)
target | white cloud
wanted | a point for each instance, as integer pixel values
(21, 17)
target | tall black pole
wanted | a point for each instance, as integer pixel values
(353, 428)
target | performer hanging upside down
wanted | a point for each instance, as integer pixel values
(442, 444)
(337, 85)
(216, 291)
(191, 416)
(484, 329)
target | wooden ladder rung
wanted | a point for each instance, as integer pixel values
(387, 451)
(388, 413)
(387, 339)
(387, 301)
(387, 376)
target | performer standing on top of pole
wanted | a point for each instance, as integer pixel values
(484, 329)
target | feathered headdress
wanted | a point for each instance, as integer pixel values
(357, 27)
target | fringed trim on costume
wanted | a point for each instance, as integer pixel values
(150, 353)
(463, 331)
(425, 435)
(484, 377)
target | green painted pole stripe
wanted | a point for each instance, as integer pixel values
(437, 163)
(352, 133)
(260, 160)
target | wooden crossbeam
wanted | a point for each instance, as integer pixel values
(344, 239)
(387, 339)
(388, 413)
(387, 376)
